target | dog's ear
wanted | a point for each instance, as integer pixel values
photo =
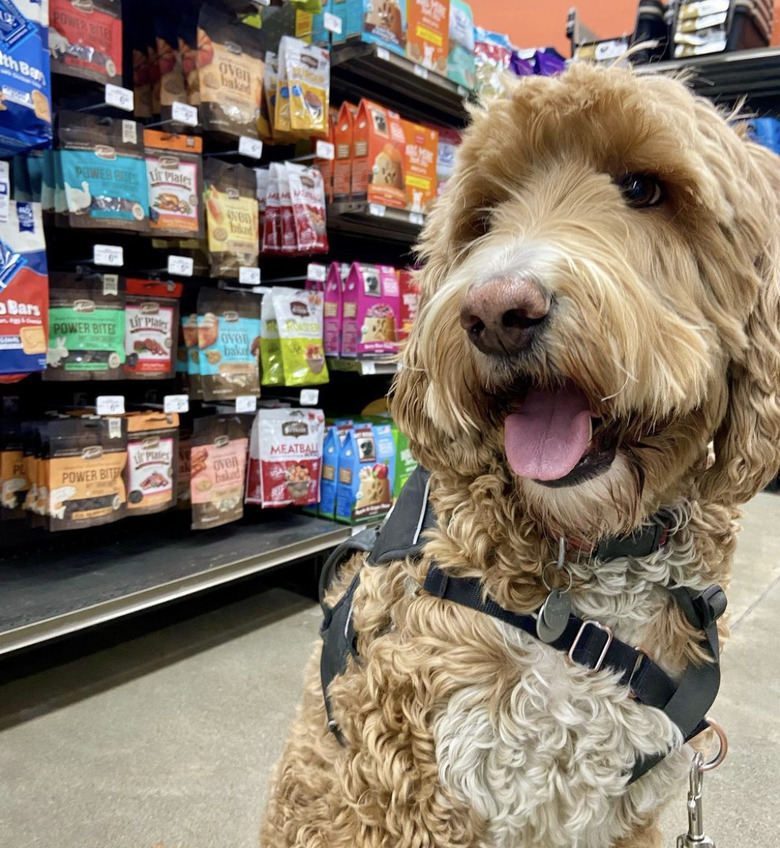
(747, 443)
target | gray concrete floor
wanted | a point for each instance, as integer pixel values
(167, 740)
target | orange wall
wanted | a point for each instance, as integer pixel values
(543, 24)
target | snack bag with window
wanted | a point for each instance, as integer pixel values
(299, 321)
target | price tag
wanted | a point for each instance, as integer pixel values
(416, 218)
(251, 147)
(249, 276)
(421, 72)
(376, 209)
(325, 150)
(368, 367)
(316, 272)
(108, 254)
(180, 266)
(246, 403)
(381, 53)
(110, 405)
(176, 403)
(310, 397)
(185, 114)
(114, 428)
(120, 97)
(332, 23)
(5, 192)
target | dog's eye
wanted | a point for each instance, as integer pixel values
(640, 190)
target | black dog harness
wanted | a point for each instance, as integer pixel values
(585, 641)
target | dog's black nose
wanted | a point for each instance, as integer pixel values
(502, 315)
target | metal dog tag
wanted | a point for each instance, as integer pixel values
(553, 616)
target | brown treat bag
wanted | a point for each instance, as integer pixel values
(152, 462)
(232, 217)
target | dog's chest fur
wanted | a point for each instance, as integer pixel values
(538, 747)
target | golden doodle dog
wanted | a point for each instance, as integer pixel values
(600, 302)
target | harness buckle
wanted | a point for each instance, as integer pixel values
(641, 656)
(599, 626)
(710, 604)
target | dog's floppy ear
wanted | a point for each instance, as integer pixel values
(747, 443)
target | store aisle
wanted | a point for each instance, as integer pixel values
(167, 740)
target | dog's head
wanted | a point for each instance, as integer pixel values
(600, 300)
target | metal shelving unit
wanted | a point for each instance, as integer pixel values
(360, 70)
(364, 367)
(728, 77)
(128, 567)
(372, 220)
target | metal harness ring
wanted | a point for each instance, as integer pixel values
(547, 585)
(722, 750)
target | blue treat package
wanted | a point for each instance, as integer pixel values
(384, 22)
(24, 292)
(25, 80)
(366, 471)
(765, 131)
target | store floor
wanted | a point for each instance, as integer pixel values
(166, 740)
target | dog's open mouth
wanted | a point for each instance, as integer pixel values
(552, 437)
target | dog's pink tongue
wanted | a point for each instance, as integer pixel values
(549, 434)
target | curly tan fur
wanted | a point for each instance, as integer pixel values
(460, 730)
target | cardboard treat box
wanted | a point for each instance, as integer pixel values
(378, 156)
(343, 142)
(333, 312)
(366, 473)
(384, 22)
(460, 62)
(334, 439)
(370, 304)
(428, 33)
(420, 155)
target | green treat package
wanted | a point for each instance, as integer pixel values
(86, 327)
(299, 321)
(272, 372)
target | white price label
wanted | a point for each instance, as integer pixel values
(376, 209)
(111, 284)
(176, 403)
(120, 97)
(110, 405)
(108, 254)
(180, 266)
(246, 403)
(316, 272)
(249, 276)
(332, 23)
(251, 147)
(416, 218)
(185, 114)
(421, 72)
(368, 367)
(325, 150)
(114, 428)
(5, 192)
(381, 53)
(310, 397)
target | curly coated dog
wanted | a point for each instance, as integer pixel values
(600, 309)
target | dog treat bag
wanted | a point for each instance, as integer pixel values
(25, 84)
(307, 70)
(24, 292)
(289, 235)
(151, 329)
(410, 302)
(366, 471)
(175, 180)
(384, 21)
(285, 457)
(228, 342)
(188, 358)
(172, 85)
(307, 193)
(103, 172)
(13, 481)
(217, 470)
(272, 221)
(299, 322)
(232, 217)
(460, 61)
(82, 472)
(370, 304)
(271, 363)
(230, 67)
(428, 33)
(152, 462)
(85, 39)
(86, 327)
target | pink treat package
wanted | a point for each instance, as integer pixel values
(370, 308)
(272, 222)
(307, 193)
(285, 457)
(333, 312)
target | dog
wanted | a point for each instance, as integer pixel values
(599, 301)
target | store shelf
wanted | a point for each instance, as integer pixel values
(368, 70)
(364, 367)
(373, 220)
(66, 585)
(726, 77)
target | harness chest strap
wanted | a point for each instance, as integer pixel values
(586, 642)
